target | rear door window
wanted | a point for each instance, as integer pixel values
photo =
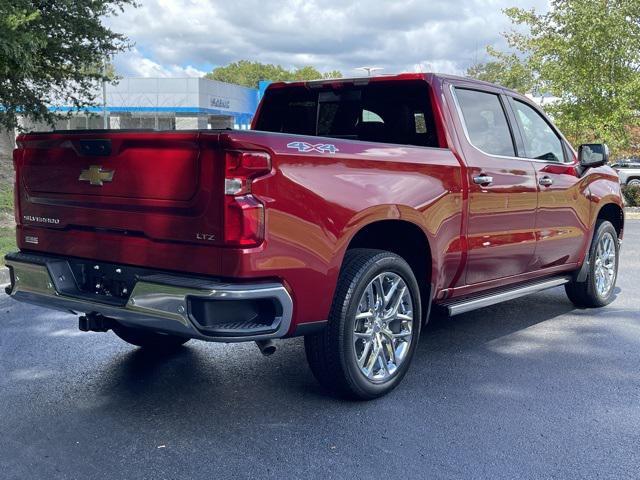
(485, 122)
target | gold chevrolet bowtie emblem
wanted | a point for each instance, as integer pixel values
(96, 176)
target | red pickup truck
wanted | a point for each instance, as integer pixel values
(349, 210)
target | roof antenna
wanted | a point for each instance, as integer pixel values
(369, 70)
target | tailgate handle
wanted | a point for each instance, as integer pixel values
(95, 148)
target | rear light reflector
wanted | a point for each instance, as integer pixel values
(233, 186)
(243, 213)
(243, 221)
(241, 167)
(17, 154)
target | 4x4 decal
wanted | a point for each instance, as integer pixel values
(305, 147)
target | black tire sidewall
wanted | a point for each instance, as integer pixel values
(385, 262)
(602, 228)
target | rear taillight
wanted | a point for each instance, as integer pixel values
(243, 213)
(16, 199)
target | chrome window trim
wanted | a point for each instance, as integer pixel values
(464, 124)
(453, 87)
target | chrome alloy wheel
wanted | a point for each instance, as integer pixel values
(383, 327)
(605, 264)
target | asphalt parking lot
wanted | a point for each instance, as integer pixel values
(529, 389)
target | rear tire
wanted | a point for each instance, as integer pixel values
(373, 329)
(148, 339)
(633, 183)
(598, 289)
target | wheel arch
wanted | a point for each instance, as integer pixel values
(611, 212)
(614, 214)
(407, 240)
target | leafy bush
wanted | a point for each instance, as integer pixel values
(631, 196)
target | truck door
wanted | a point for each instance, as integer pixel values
(502, 186)
(563, 204)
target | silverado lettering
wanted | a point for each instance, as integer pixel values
(350, 211)
(30, 218)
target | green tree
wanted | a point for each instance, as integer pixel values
(332, 74)
(249, 74)
(506, 69)
(586, 53)
(51, 54)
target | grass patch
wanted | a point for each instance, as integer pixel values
(6, 199)
(7, 242)
(7, 233)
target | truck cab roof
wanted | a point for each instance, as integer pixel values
(396, 77)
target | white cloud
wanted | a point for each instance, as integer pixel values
(135, 65)
(186, 37)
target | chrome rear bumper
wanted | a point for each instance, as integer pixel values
(160, 302)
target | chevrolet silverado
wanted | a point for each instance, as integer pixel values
(350, 210)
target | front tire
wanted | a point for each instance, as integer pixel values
(598, 289)
(373, 329)
(148, 339)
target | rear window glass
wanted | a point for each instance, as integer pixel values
(394, 112)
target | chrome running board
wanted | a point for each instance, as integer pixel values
(463, 305)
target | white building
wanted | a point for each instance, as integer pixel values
(159, 103)
(166, 103)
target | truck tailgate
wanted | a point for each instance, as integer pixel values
(137, 168)
(159, 185)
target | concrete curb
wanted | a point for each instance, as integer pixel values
(4, 275)
(632, 213)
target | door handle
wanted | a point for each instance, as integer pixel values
(546, 181)
(483, 179)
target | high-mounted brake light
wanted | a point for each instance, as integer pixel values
(243, 213)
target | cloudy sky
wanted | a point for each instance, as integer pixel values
(190, 37)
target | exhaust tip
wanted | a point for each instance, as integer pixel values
(266, 347)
